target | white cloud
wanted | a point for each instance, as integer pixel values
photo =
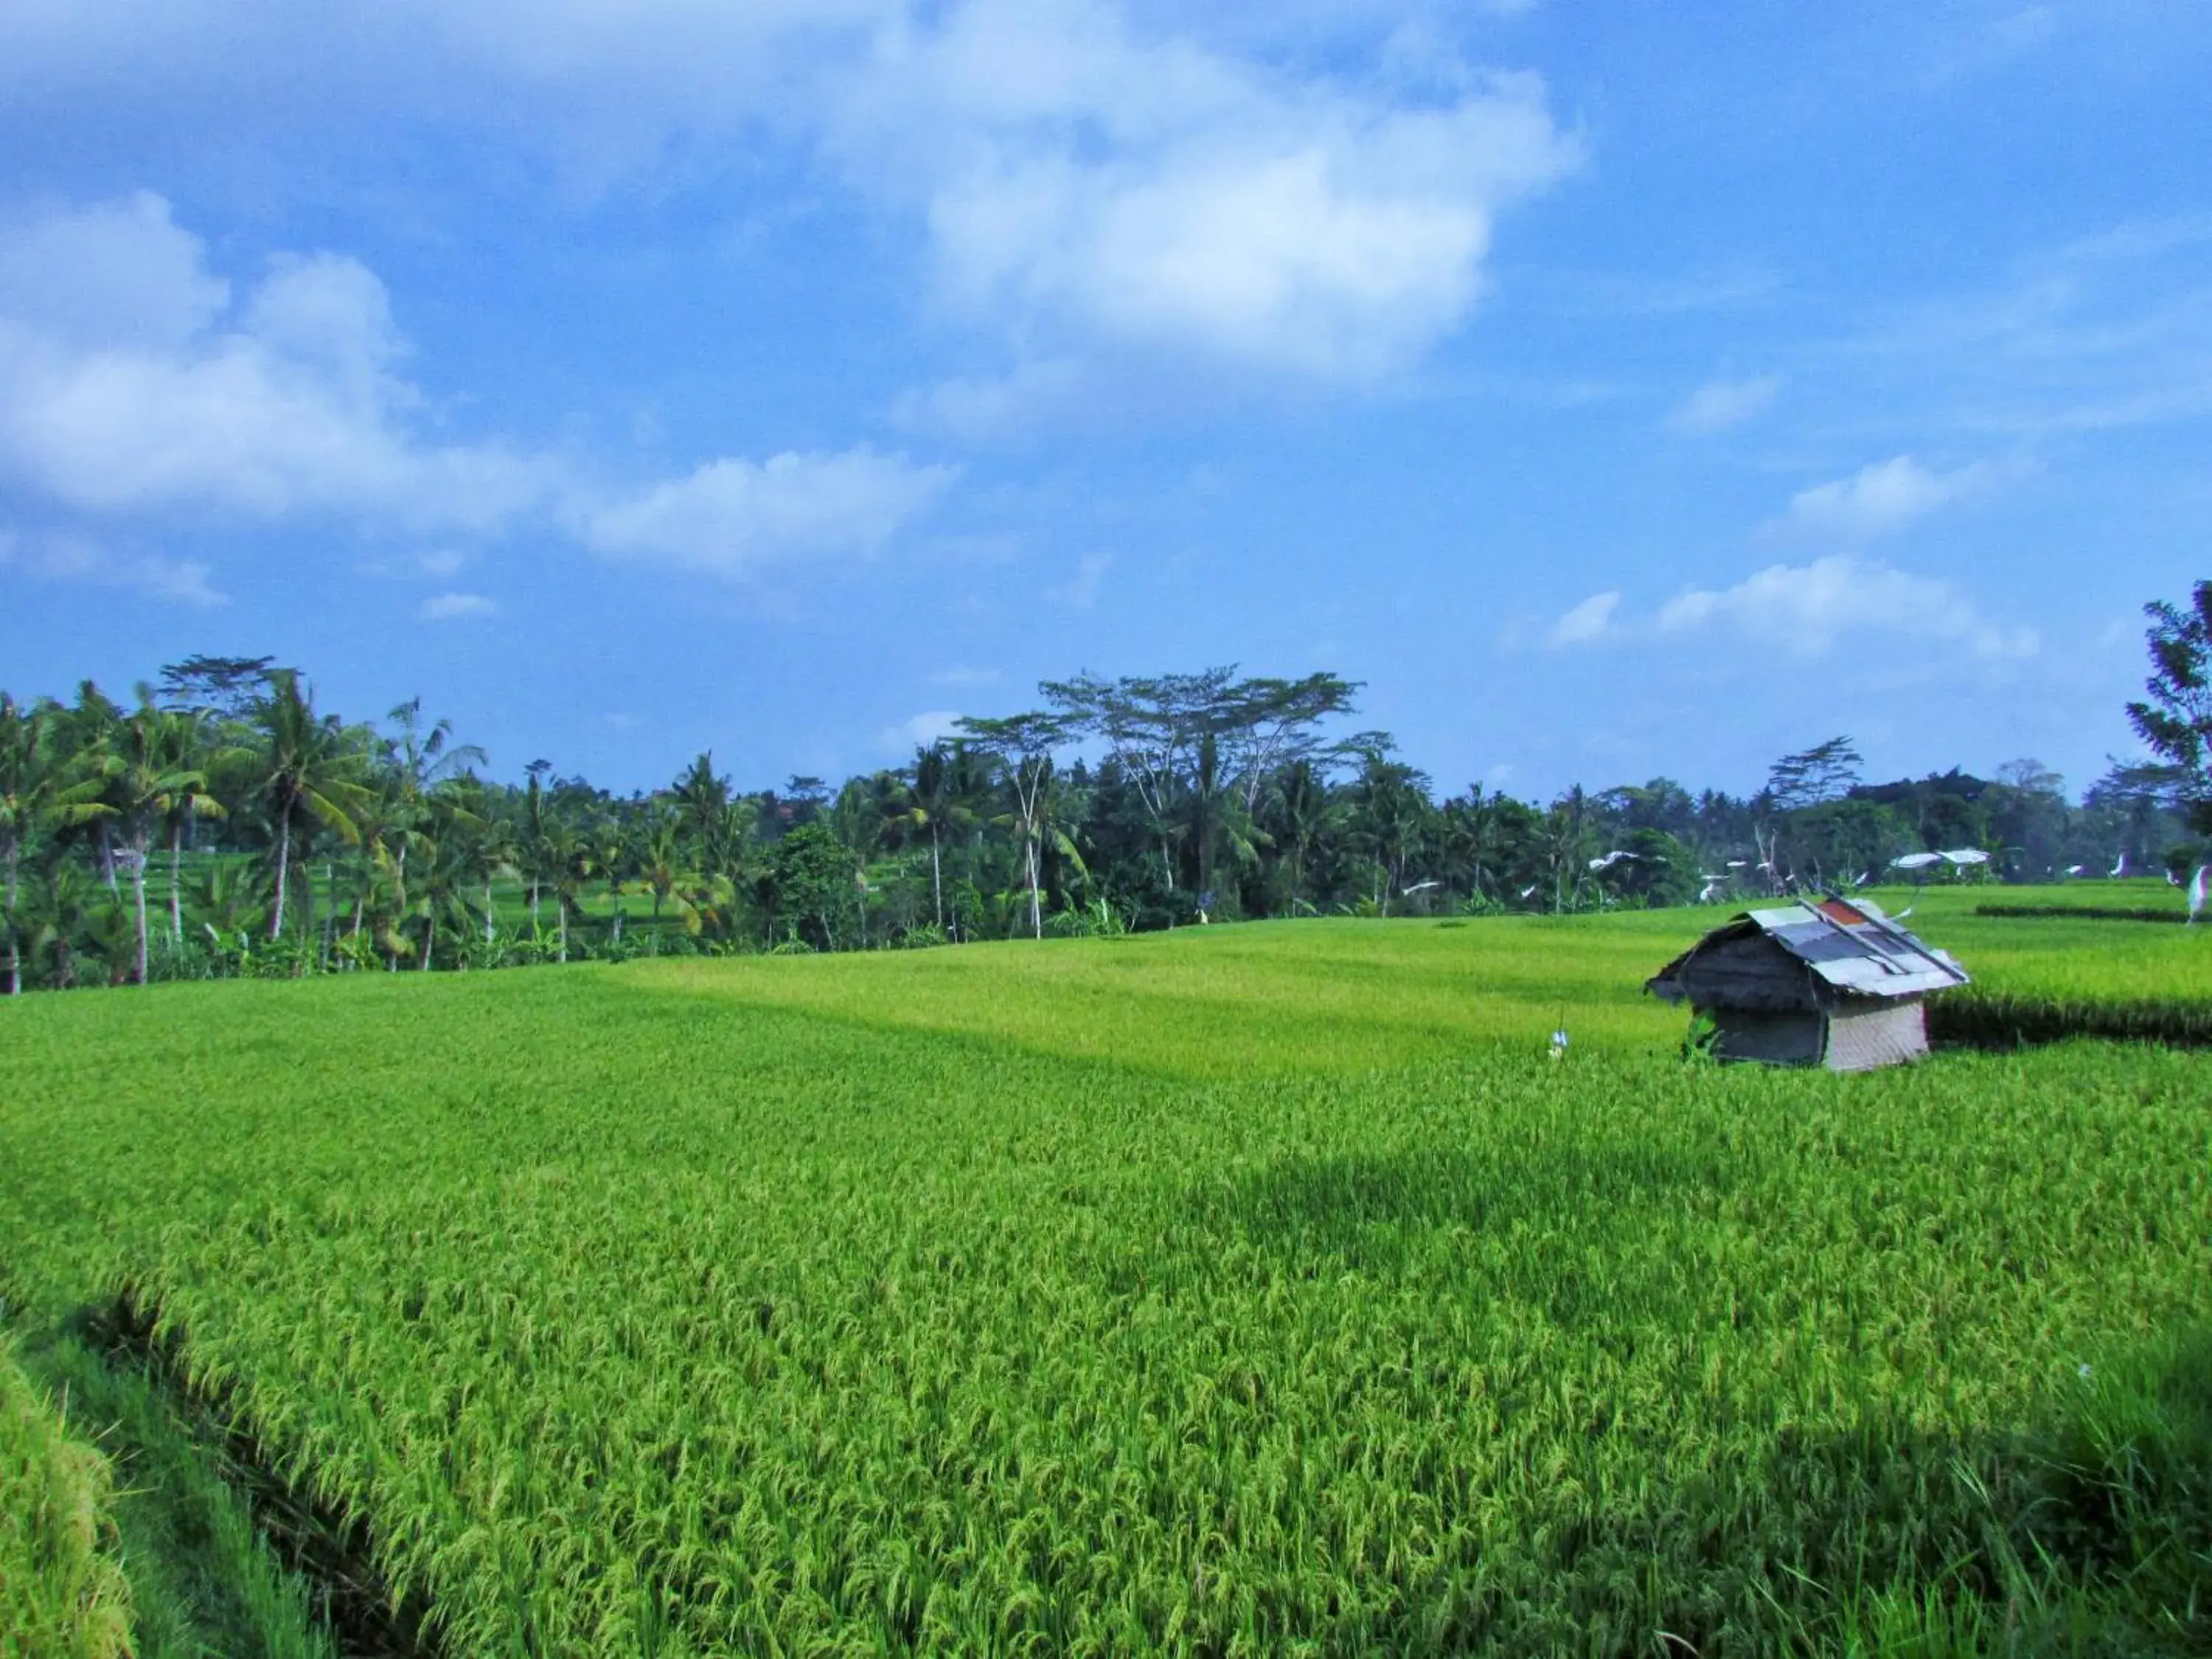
(115, 274)
(132, 385)
(732, 515)
(1806, 608)
(1880, 500)
(960, 675)
(1089, 192)
(1718, 404)
(1805, 611)
(149, 391)
(77, 558)
(455, 607)
(921, 732)
(1086, 185)
(1587, 621)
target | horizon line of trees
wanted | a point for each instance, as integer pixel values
(219, 822)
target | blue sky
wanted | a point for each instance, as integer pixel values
(1614, 391)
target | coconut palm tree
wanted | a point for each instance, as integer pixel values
(1302, 811)
(193, 746)
(307, 770)
(701, 801)
(41, 793)
(145, 783)
(660, 864)
(942, 797)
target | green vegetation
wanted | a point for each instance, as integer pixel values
(61, 1591)
(1240, 1289)
(221, 825)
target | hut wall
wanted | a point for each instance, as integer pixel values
(1862, 1035)
(1748, 974)
(1786, 1039)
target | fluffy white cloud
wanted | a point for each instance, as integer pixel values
(78, 558)
(130, 385)
(1805, 609)
(1587, 621)
(1880, 500)
(1099, 191)
(731, 516)
(147, 390)
(1086, 185)
(1719, 404)
(455, 607)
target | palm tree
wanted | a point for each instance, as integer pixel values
(188, 737)
(701, 801)
(1214, 816)
(569, 864)
(943, 797)
(1390, 807)
(419, 763)
(307, 770)
(449, 864)
(39, 793)
(86, 729)
(658, 851)
(1303, 811)
(145, 783)
(856, 819)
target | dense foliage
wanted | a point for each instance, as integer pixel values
(220, 824)
(1258, 1289)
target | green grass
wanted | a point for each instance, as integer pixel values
(1248, 1289)
(62, 1589)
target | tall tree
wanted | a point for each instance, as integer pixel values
(39, 793)
(147, 778)
(942, 798)
(702, 800)
(306, 771)
(2176, 718)
(1022, 744)
(1824, 772)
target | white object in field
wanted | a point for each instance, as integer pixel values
(1915, 860)
(2075, 869)
(1418, 887)
(1901, 915)
(1739, 863)
(1610, 860)
(1529, 888)
(1860, 879)
(2120, 864)
(2197, 893)
(1966, 855)
(1559, 1044)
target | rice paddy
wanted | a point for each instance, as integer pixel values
(1266, 1289)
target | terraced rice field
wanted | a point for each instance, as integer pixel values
(1245, 1290)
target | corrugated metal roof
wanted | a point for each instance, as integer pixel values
(1850, 946)
(1856, 948)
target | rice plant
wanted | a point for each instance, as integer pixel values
(1263, 1290)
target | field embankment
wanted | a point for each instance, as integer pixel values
(1255, 1289)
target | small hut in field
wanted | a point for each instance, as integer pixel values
(1832, 982)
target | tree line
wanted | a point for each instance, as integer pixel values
(219, 822)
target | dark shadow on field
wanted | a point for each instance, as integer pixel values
(1371, 1210)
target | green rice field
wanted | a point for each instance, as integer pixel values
(1257, 1289)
